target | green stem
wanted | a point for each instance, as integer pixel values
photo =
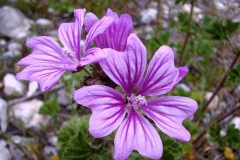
(187, 35)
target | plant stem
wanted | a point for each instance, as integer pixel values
(218, 121)
(233, 49)
(187, 34)
(220, 84)
(87, 71)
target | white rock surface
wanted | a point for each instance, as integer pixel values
(148, 15)
(184, 87)
(3, 115)
(236, 121)
(3, 42)
(12, 87)
(4, 152)
(53, 140)
(32, 88)
(13, 23)
(49, 150)
(27, 112)
(14, 49)
(214, 103)
(44, 23)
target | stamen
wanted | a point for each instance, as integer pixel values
(70, 55)
(136, 101)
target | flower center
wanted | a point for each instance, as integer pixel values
(70, 55)
(136, 101)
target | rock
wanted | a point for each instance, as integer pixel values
(44, 23)
(32, 88)
(220, 6)
(4, 154)
(184, 87)
(27, 112)
(14, 49)
(148, 15)
(62, 97)
(49, 151)
(214, 103)
(12, 87)
(236, 121)
(3, 115)
(53, 140)
(3, 42)
(13, 23)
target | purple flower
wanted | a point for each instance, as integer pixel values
(49, 60)
(109, 106)
(116, 35)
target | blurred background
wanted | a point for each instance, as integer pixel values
(204, 35)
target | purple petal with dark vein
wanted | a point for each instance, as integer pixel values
(98, 28)
(112, 14)
(169, 112)
(93, 55)
(46, 74)
(161, 74)
(136, 133)
(89, 20)
(126, 68)
(116, 35)
(70, 33)
(107, 105)
(45, 49)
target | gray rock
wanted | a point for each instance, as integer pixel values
(236, 121)
(12, 87)
(184, 87)
(14, 49)
(148, 15)
(44, 23)
(214, 103)
(49, 151)
(3, 115)
(32, 88)
(27, 112)
(13, 23)
(4, 152)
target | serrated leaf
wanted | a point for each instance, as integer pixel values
(172, 149)
(50, 107)
(79, 149)
(233, 76)
(71, 129)
(222, 29)
(191, 127)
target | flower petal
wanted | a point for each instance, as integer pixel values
(116, 35)
(136, 133)
(70, 33)
(45, 49)
(47, 75)
(161, 75)
(169, 112)
(126, 68)
(89, 20)
(112, 14)
(98, 28)
(108, 108)
(93, 55)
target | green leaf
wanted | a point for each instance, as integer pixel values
(220, 29)
(79, 149)
(200, 47)
(50, 107)
(181, 1)
(191, 127)
(172, 149)
(162, 38)
(233, 136)
(71, 129)
(233, 76)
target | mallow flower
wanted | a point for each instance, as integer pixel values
(140, 96)
(115, 37)
(49, 60)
